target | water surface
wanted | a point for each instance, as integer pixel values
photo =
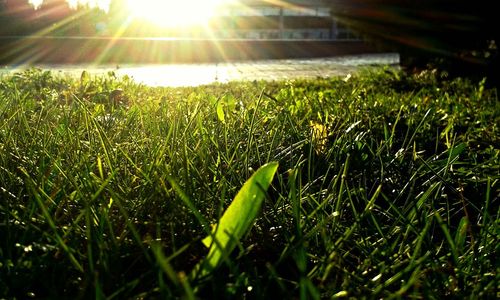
(176, 75)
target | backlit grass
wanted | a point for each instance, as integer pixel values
(388, 186)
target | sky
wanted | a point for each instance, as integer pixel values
(162, 12)
(104, 4)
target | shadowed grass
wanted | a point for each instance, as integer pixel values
(387, 187)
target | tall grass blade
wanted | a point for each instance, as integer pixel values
(52, 224)
(164, 263)
(220, 112)
(238, 217)
(448, 237)
(461, 235)
(188, 202)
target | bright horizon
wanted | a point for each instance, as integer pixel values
(175, 13)
(165, 13)
(103, 4)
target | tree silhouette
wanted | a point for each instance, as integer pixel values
(54, 10)
(458, 35)
(17, 17)
(3, 18)
(117, 15)
(90, 20)
(57, 18)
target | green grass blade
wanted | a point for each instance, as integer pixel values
(164, 263)
(447, 234)
(184, 197)
(51, 223)
(461, 234)
(238, 217)
(220, 112)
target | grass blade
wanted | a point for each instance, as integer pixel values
(238, 217)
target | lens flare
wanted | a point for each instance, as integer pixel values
(174, 13)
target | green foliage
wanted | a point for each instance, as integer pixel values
(388, 187)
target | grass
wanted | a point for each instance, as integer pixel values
(388, 187)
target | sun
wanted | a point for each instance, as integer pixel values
(175, 13)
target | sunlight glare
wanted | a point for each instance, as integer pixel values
(175, 13)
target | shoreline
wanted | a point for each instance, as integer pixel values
(194, 74)
(100, 50)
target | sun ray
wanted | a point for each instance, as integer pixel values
(175, 13)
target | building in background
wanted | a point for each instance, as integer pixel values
(292, 19)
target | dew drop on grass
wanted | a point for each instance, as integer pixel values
(376, 278)
(340, 294)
